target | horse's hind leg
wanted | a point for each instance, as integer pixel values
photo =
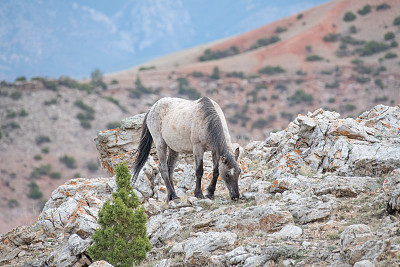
(198, 158)
(172, 159)
(213, 183)
(163, 166)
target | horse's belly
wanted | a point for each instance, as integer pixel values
(176, 132)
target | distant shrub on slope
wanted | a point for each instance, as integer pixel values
(271, 70)
(213, 55)
(349, 16)
(365, 10)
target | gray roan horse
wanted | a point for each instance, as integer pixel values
(178, 125)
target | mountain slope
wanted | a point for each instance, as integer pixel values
(325, 62)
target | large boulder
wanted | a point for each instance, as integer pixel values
(73, 207)
(117, 145)
(311, 209)
(391, 187)
(323, 142)
(61, 234)
(357, 243)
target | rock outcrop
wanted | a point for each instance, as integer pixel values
(322, 190)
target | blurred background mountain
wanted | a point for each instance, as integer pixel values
(53, 38)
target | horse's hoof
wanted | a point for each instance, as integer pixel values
(210, 196)
(235, 198)
(199, 195)
(172, 197)
(173, 201)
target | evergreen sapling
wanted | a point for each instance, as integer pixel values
(121, 239)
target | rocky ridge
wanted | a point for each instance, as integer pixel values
(323, 192)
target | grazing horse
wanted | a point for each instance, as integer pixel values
(178, 125)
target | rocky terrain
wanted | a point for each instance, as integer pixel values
(323, 192)
(320, 58)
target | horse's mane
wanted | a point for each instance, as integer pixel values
(215, 131)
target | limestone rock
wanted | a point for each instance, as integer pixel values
(73, 207)
(357, 244)
(345, 186)
(310, 209)
(391, 187)
(288, 232)
(198, 250)
(69, 252)
(364, 263)
(372, 250)
(354, 233)
(237, 255)
(322, 142)
(284, 183)
(117, 145)
(163, 263)
(162, 228)
(268, 218)
(100, 264)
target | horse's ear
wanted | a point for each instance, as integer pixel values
(237, 151)
(223, 159)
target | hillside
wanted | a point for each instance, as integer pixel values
(309, 60)
(265, 78)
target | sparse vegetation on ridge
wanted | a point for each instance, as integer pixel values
(365, 10)
(144, 68)
(139, 90)
(236, 74)
(371, 48)
(389, 36)
(34, 191)
(86, 116)
(215, 74)
(271, 70)
(213, 55)
(383, 6)
(301, 97)
(396, 21)
(265, 42)
(332, 37)
(97, 79)
(68, 161)
(185, 89)
(280, 29)
(314, 58)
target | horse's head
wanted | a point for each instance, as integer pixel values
(229, 171)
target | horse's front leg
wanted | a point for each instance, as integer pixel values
(213, 183)
(198, 159)
(163, 166)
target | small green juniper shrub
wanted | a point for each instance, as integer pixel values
(121, 239)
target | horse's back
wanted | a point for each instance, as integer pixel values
(181, 124)
(171, 120)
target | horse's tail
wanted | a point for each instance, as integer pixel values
(143, 150)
